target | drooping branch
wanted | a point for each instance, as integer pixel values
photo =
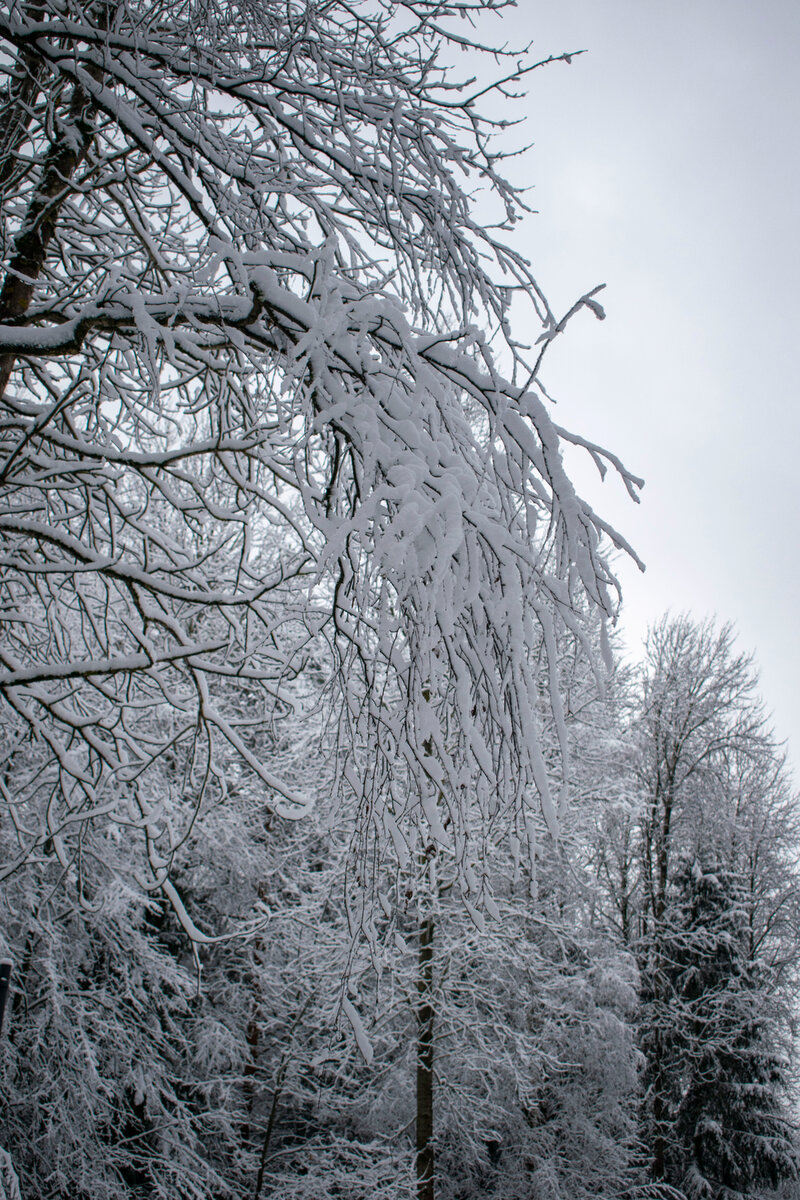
(246, 320)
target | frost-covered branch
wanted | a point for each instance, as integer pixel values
(251, 426)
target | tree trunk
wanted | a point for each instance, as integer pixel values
(425, 1015)
(39, 225)
(17, 105)
(659, 1141)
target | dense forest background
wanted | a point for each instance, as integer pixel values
(340, 854)
(617, 1019)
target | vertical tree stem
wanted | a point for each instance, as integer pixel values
(425, 1015)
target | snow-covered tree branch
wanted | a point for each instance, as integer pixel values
(252, 421)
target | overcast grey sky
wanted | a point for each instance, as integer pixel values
(665, 164)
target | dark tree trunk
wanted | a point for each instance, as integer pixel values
(30, 246)
(16, 106)
(425, 1018)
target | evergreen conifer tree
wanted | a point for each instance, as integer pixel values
(710, 1010)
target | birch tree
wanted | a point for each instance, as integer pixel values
(250, 402)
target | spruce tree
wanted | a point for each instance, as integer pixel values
(730, 1132)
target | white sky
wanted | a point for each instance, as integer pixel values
(665, 164)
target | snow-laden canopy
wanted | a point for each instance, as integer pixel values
(253, 431)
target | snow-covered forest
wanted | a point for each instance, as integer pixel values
(341, 854)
